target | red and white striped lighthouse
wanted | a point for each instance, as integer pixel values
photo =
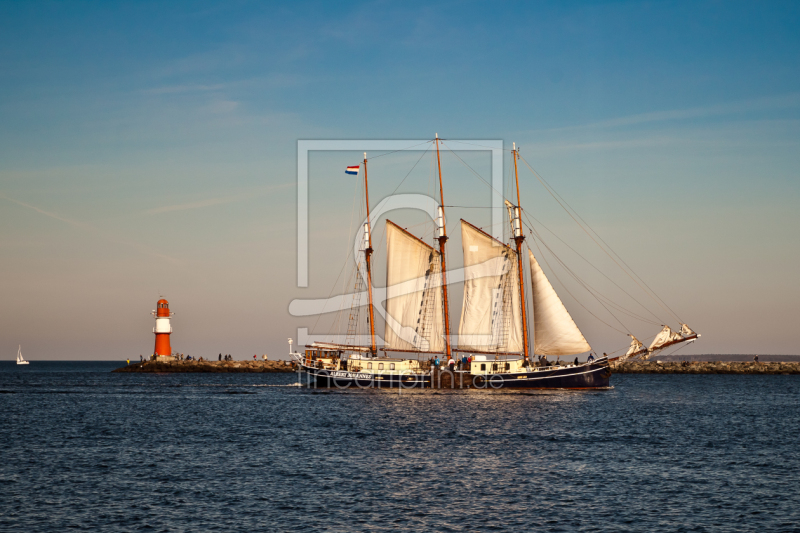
(163, 328)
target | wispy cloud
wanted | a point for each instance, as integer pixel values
(274, 80)
(74, 223)
(217, 201)
(180, 89)
(790, 100)
(92, 229)
(194, 205)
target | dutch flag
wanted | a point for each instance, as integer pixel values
(352, 170)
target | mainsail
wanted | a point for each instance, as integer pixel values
(664, 336)
(555, 333)
(491, 318)
(414, 320)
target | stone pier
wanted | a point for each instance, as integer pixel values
(208, 366)
(700, 367)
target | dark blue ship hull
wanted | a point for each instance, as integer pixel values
(594, 375)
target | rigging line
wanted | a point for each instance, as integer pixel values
(562, 202)
(407, 228)
(597, 294)
(412, 169)
(559, 200)
(491, 187)
(350, 280)
(470, 206)
(400, 150)
(573, 297)
(352, 211)
(480, 145)
(585, 285)
(579, 281)
(617, 350)
(576, 278)
(681, 347)
(473, 170)
(557, 197)
(530, 227)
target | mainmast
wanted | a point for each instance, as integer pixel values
(518, 238)
(367, 255)
(442, 240)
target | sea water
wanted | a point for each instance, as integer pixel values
(82, 448)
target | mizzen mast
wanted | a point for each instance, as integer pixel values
(367, 255)
(518, 238)
(442, 238)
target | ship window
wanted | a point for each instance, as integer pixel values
(508, 366)
(380, 366)
(483, 366)
(391, 366)
(369, 366)
(494, 366)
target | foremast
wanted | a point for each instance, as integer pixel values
(518, 239)
(442, 238)
(367, 259)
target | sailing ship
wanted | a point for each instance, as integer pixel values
(493, 341)
(20, 360)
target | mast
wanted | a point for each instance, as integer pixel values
(518, 238)
(442, 240)
(367, 255)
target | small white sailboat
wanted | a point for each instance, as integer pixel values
(20, 360)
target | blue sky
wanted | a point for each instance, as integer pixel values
(149, 148)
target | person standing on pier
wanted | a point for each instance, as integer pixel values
(451, 364)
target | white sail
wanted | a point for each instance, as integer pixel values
(491, 318)
(686, 331)
(635, 346)
(664, 336)
(414, 317)
(554, 331)
(20, 360)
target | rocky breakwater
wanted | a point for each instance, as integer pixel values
(701, 367)
(207, 366)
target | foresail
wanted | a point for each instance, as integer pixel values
(664, 336)
(554, 331)
(414, 319)
(635, 347)
(491, 318)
